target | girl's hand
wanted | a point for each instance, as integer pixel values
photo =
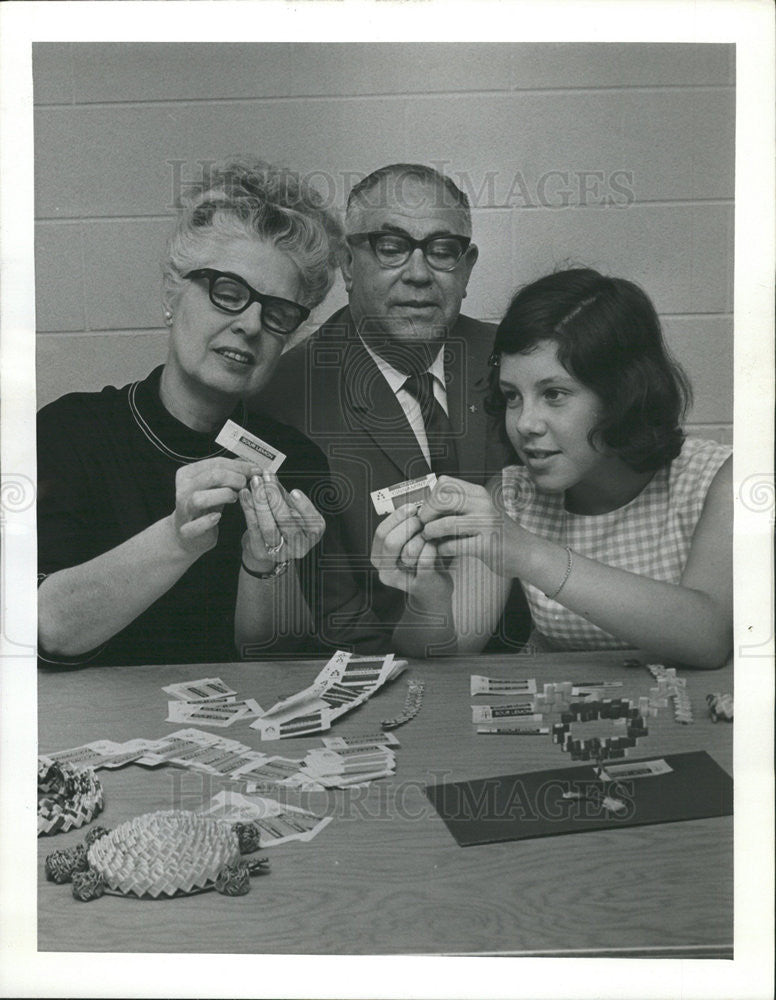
(202, 489)
(461, 519)
(280, 525)
(406, 560)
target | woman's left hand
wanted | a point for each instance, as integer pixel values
(280, 525)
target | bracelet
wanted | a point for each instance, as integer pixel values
(566, 575)
(277, 570)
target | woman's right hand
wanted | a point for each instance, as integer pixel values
(405, 560)
(280, 525)
(202, 490)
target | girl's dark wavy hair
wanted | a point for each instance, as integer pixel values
(609, 338)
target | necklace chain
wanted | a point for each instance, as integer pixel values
(157, 442)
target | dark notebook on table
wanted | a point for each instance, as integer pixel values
(524, 806)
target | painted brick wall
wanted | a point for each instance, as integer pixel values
(617, 156)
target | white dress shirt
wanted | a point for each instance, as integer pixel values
(407, 401)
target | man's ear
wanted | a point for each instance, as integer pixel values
(469, 260)
(346, 266)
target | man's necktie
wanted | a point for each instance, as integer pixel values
(441, 443)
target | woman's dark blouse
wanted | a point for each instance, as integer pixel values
(106, 471)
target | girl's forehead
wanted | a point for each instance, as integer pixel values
(540, 361)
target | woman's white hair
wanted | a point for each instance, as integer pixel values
(256, 199)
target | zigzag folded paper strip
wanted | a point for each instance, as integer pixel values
(344, 683)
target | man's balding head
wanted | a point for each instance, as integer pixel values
(393, 184)
(413, 300)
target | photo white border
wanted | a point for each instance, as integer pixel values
(748, 23)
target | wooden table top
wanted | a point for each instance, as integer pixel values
(386, 876)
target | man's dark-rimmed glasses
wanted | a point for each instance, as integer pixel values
(442, 253)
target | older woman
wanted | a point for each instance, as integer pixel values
(155, 543)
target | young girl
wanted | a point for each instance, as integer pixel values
(618, 527)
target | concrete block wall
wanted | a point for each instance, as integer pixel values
(619, 156)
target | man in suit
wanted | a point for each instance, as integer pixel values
(392, 386)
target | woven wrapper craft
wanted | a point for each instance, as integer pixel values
(600, 748)
(71, 797)
(164, 853)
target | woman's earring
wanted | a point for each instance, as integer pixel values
(167, 317)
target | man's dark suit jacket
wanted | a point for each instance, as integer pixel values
(331, 390)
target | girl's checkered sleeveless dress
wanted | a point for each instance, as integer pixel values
(650, 536)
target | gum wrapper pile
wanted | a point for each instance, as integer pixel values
(344, 683)
(342, 761)
(208, 702)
